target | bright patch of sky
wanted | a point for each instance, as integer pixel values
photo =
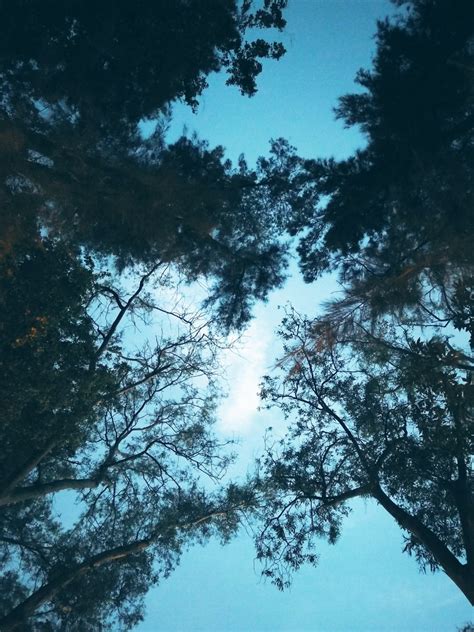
(364, 583)
(244, 366)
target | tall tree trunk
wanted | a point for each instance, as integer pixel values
(21, 494)
(461, 574)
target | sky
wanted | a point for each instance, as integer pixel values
(364, 582)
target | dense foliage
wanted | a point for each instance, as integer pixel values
(123, 423)
(108, 377)
(109, 65)
(379, 387)
(77, 80)
(403, 203)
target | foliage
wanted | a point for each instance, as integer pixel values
(109, 65)
(376, 414)
(47, 342)
(109, 382)
(78, 80)
(379, 387)
(401, 207)
(181, 203)
(121, 424)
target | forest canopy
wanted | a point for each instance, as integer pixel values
(108, 370)
(378, 389)
(110, 367)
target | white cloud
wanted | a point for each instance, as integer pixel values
(245, 365)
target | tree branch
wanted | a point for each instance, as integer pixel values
(122, 311)
(21, 494)
(48, 591)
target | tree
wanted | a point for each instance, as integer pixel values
(121, 424)
(107, 587)
(378, 414)
(108, 66)
(183, 204)
(88, 409)
(77, 82)
(99, 227)
(47, 341)
(399, 209)
(379, 388)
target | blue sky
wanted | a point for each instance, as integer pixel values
(364, 582)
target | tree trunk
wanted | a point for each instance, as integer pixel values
(26, 468)
(461, 574)
(21, 494)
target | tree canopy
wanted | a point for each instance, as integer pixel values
(402, 204)
(78, 79)
(124, 425)
(375, 413)
(109, 65)
(108, 374)
(379, 387)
